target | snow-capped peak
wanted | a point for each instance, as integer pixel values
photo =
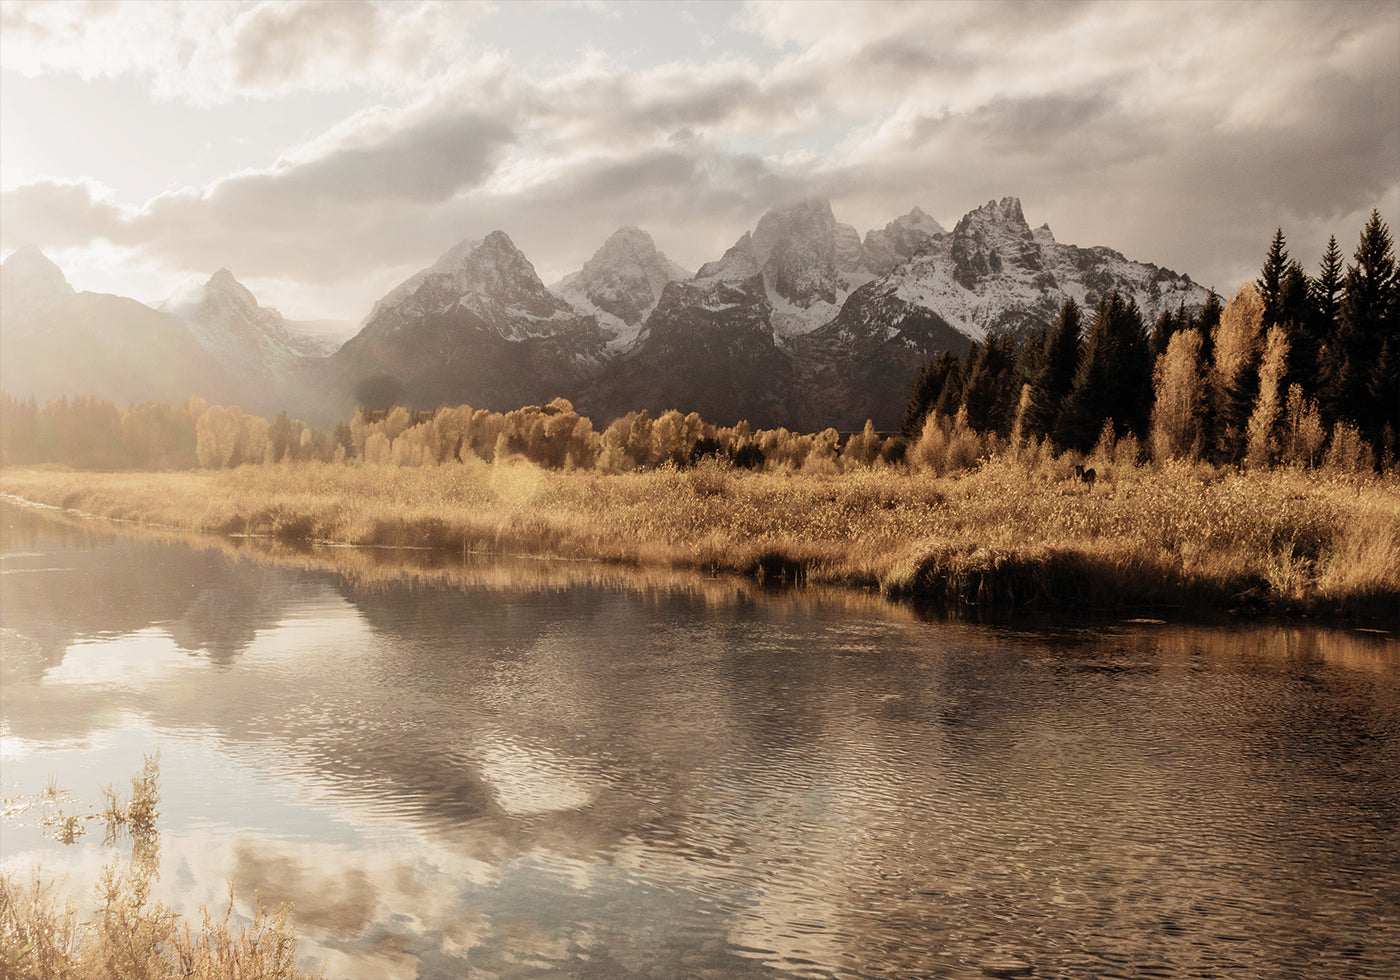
(488, 279)
(621, 283)
(224, 316)
(899, 241)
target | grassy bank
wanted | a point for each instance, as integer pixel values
(1003, 535)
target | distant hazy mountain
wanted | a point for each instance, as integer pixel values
(886, 249)
(477, 327)
(57, 342)
(228, 322)
(621, 284)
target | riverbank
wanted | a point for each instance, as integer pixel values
(1284, 541)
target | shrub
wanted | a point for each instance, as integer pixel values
(131, 935)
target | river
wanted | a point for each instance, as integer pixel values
(509, 769)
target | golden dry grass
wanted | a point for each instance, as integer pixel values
(1005, 534)
(129, 934)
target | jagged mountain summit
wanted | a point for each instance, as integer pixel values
(30, 284)
(708, 345)
(226, 319)
(476, 327)
(794, 327)
(899, 241)
(809, 263)
(621, 283)
(993, 273)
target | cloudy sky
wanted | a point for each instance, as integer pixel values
(323, 151)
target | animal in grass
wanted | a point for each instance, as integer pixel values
(1086, 476)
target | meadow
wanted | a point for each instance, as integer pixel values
(1012, 532)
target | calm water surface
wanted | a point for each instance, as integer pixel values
(532, 771)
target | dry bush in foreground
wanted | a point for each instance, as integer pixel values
(131, 936)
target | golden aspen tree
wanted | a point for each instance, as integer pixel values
(1260, 435)
(1180, 399)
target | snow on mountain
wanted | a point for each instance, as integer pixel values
(809, 263)
(707, 347)
(899, 241)
(490, 279)
(993, 273)
(476, 327)
(226, 319)
(621, 284)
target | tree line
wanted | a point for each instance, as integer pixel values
(92, 434)
(1291, 359)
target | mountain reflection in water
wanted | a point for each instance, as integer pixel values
(506, 769)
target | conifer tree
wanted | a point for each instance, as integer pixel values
(1326, 295)
(1365, 321)
(950, 398)
(927, 387)
(1367, 318)
(1207, 321)
(1271, 279)
(1114, 380)
(1054, 379)
(992, 389)
(1168, 322)
(1030, 354)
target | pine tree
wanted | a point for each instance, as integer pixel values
(1327, 293)
(1207, 321)
(1114, 380)
(1270, 281)
(950, 398)
(1367, 318)
(1053, 381)
(1169, 321)
(1315, 343)
(992, 389)
(923, 393)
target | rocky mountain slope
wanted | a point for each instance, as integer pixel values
(477, 327)
(991, 274)
(708, 347)
(226, 319)
(621, 284)
(797, 325)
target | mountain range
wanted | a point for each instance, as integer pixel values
(801, 323)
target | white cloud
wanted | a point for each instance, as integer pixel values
(215, 51)
(1181, 133)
